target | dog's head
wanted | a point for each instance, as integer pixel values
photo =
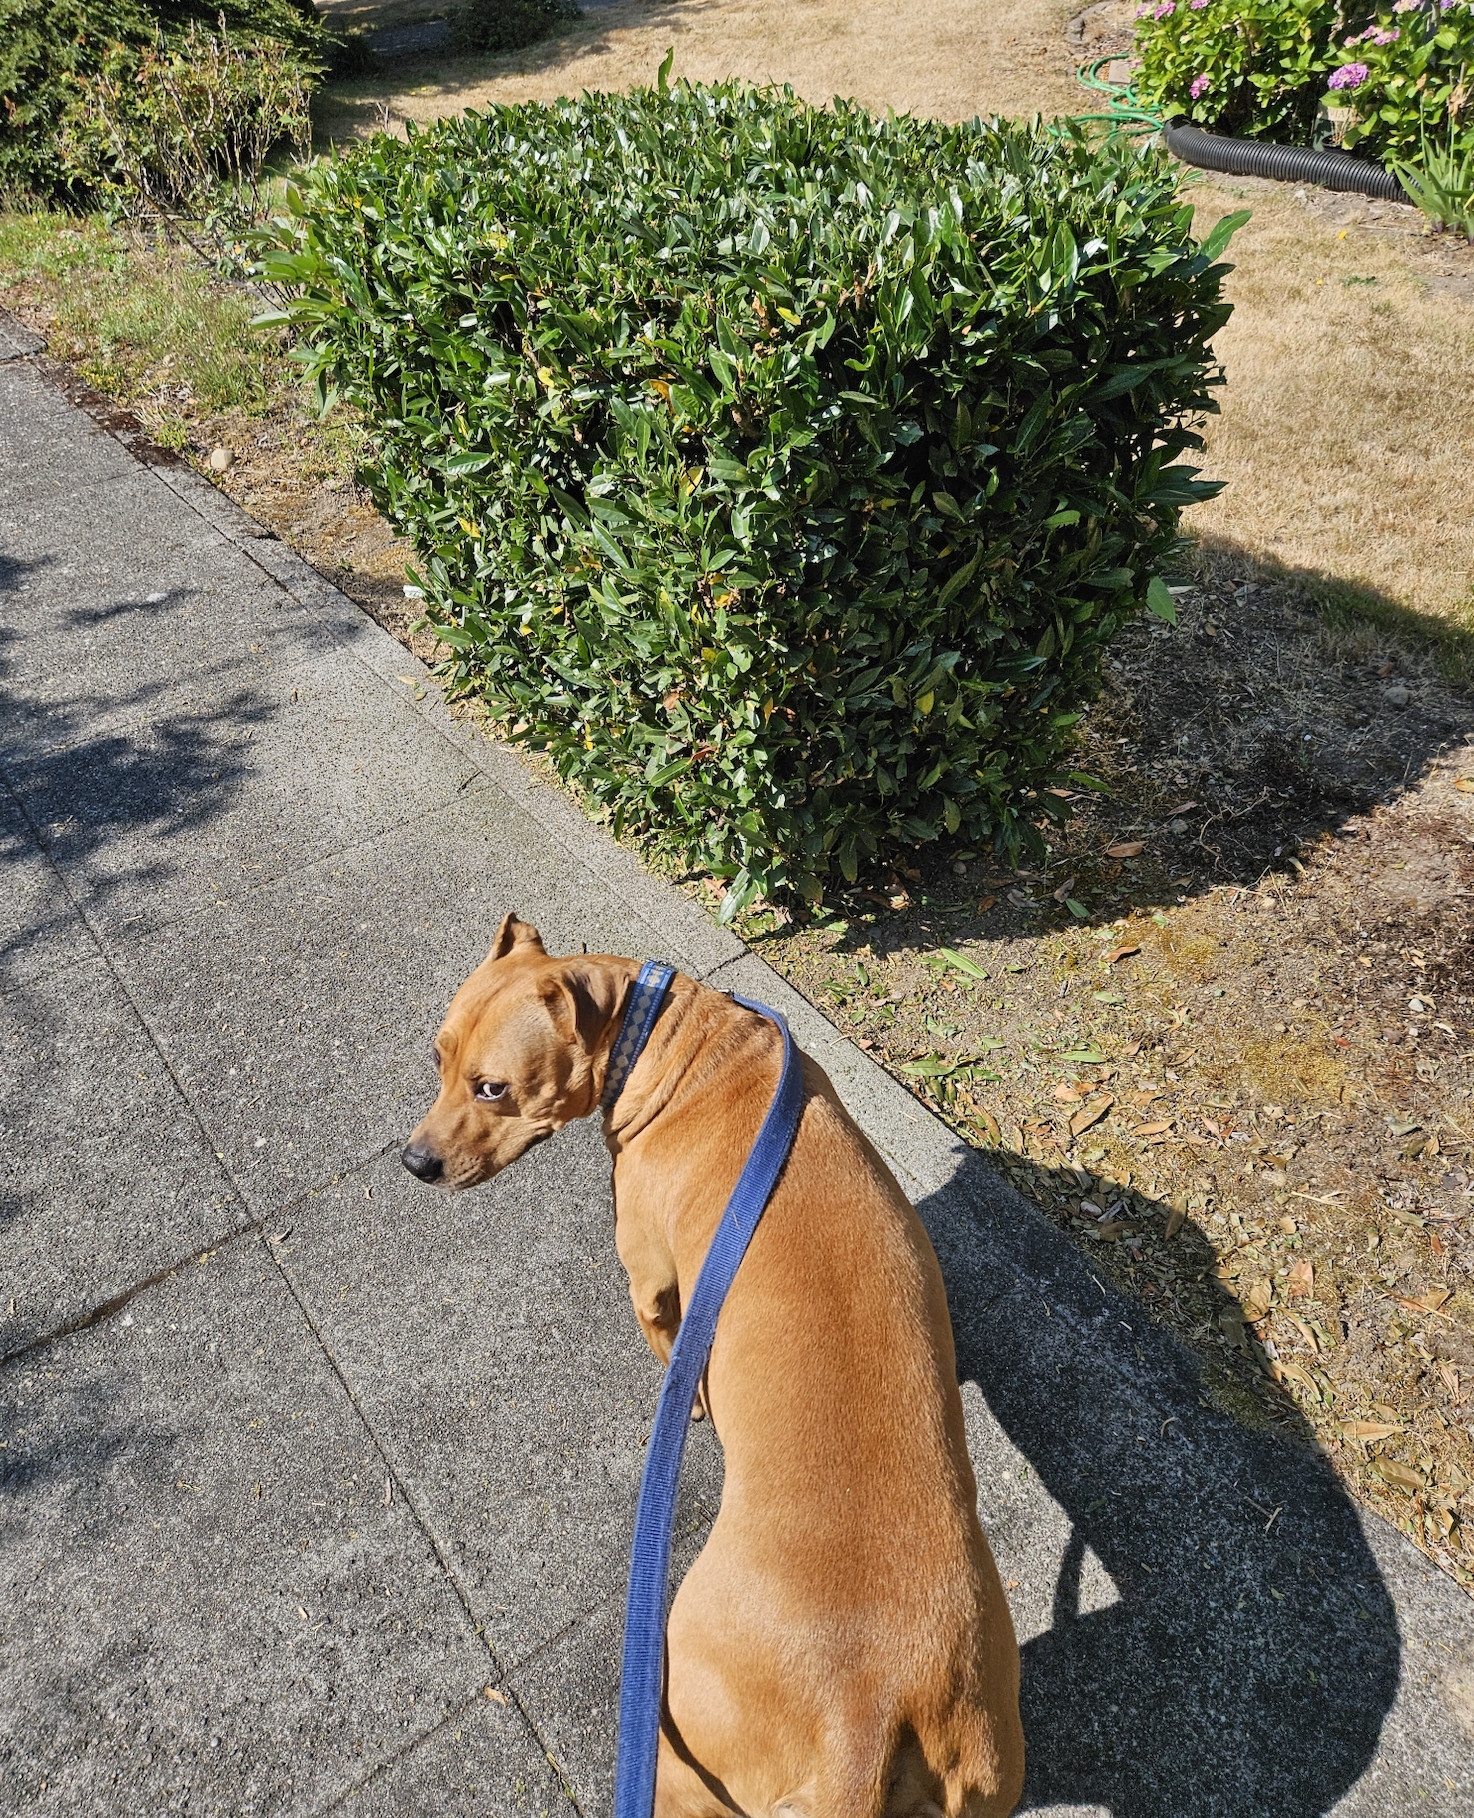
(516, 1057)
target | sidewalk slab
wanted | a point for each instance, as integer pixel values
(48, 448)
(483, 1762)
(301, 1014)
(40, 930)
(16, 342)
(105, 1175)
(220, 735)
(681, 926)
(488, 1338)
(179, 1486)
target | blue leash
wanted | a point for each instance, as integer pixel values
(644, 1625)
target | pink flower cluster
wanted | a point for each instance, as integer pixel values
(1376, 35)
(1200, 86)
(1350, 75)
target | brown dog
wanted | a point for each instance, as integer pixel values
(841, 1648)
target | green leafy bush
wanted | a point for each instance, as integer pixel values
(1248, 67)
(1260, 68)
(507, 25)
(164, 122)
(52, 51)
(1409, 75)
(781, 470)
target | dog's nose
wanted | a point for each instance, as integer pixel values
(421, 1163)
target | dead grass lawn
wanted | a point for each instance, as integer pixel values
(1346, 435)
(954, 58)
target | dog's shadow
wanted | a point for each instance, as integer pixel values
(1205, 1631)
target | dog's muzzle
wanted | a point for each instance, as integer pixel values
(421, 1163)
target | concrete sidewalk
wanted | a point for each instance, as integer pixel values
(316, 1488)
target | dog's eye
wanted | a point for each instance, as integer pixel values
(435, 1059)
(490, 1088)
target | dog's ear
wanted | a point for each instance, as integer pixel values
(581, 1006)
(513, 933)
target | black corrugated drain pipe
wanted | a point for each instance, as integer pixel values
(1287, 163)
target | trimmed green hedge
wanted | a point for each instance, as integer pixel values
(508, 25)
(782, 470)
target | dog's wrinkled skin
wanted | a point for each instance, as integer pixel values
(842, 1647)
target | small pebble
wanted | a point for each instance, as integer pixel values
(1397, 695)
(221, 458)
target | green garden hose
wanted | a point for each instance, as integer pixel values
(1126, 114)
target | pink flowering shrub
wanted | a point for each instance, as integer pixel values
(1258, 68)
(1350, 75)
(1247, 67)
(1417, 81)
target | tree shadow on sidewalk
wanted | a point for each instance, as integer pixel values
(1253, 1652)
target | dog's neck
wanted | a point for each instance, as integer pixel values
(672, 1062)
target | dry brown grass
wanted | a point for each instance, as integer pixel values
(954, 58)
(1346, 436)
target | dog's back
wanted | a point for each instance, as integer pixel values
(842, 1644)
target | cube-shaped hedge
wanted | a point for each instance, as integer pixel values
(781, 469)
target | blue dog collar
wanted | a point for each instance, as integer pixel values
(646, 997)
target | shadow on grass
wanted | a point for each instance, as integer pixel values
(1252, 1652)
(345, 110)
